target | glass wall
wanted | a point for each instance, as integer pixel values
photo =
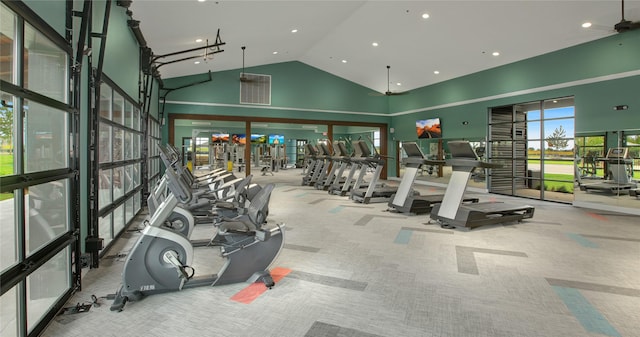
(37, 177)
(153, 158)
(535, 144)
(120, 158)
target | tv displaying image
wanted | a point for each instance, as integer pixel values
(429, 128)
(239, 138)
(276, 139)
(220, 138)
(258, 139)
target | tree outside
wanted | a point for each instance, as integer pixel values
(557, 140)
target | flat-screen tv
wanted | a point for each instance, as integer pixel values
(239, 138)
(429, 128)
(220, 138)
(258, 139)
(276, 139)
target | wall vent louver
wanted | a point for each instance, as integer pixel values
(255, 89)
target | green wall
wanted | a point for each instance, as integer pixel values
(581, 71)
(298, 91)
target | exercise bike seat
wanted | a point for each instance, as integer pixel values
(255, 217)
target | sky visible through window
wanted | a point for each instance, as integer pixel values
(566, 118)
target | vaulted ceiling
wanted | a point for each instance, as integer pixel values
(457, 38)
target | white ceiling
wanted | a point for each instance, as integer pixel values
(457, 39)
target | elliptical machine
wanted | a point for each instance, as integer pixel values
(161, 259)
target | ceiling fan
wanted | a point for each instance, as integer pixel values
(389, 92)
(248, 78)
(625, 25)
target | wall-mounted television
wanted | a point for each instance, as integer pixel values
(429, 128)
(239, 138)
(276, 139)
(258, 139)
(220, 138)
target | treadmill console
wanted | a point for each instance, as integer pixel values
(412, 150)
(342, 149)
(618, 153)
(461, 149)
(325, 149)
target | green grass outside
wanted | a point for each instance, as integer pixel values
(560, 162)
(6, 168)
(565, 186)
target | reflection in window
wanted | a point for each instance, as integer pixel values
(9, 321)
(128, 114)
(46, 213)
(104, 228)
(118, 182)
(7, 36)
(8, 253)
(118, 144)
(46, 65)
(104, 188)
(118, 108)
(105, 101)
(45, 138)
(104, 143)
(118, 219)
(46, 285)
(7, 131)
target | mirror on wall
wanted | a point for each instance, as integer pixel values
(439, 175)
(607, 168)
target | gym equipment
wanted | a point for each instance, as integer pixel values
(314, 162)
(160, 260)
(373, 192)
(337, 164)
(452, 213)
(356, 161)
(619, 170)
(406, 200)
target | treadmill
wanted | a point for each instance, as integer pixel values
(617, 160)
(343, 187)
(374, 192)
(452, 213)
(406, 200)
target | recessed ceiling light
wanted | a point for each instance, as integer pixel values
(425, 15)
(198, 40)
(275, 52)
(495, 53)
(436, 72)
(197, 62)
(294, 30)
(344, 61)
(202, 0)
(375, 44)
(398, 84)
(586, 25)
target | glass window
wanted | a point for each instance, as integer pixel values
(45, 65)
(136, 119)
(104, 188)
(118, 183)
(104, 228)
(46, 213)
(136, 146)
(118, 219)
(46, 285)
(105, 101)
(128, 179)
(128, 114)
(129, 210)
(128, 148)
(8, 253)
(118, 108)
(7, 36)
(45, 138)
(8, 305)
(104, 143)
(118, 144)
(558, 134)
(7, 131)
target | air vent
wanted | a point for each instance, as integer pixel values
(255, 89)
